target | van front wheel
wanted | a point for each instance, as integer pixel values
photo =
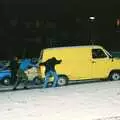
(114, 76)
(62, 81)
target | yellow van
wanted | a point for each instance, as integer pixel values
(82, 63)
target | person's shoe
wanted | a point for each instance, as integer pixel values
(14, 89)
(25, 88)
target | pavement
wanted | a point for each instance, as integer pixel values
(4, 88)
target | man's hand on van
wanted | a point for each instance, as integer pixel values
(60, 61)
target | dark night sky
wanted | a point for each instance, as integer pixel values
(51, 7)
(105, 11)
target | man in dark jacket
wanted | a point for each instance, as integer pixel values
(50, 70)
(14, 67)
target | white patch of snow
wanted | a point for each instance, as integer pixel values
(89, 101)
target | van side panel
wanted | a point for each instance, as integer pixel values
(76, 62)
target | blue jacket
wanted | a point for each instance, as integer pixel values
(25, 64)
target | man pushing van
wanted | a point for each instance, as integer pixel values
(50, 71)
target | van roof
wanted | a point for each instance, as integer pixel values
(82, 46)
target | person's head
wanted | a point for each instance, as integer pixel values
(34, 60)
(53, 58)
(15, 58)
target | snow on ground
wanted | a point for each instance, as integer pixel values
(88, 101)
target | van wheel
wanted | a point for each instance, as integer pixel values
(114, 76)
(62, 81)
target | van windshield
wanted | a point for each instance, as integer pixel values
(110, 56)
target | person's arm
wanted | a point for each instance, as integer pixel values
(33, 65)
(58, 61)
(43, 63)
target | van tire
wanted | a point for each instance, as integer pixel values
(62, 81)
(115, 75)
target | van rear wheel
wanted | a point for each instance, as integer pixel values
(62, 81)
(114, 76)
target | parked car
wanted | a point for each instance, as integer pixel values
(5, 75)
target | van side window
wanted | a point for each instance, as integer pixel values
(98, 53)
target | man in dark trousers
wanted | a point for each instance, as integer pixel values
(14, 67)
(50, 71)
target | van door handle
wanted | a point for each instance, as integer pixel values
(93, 61)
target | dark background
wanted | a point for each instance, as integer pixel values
(27, 26)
